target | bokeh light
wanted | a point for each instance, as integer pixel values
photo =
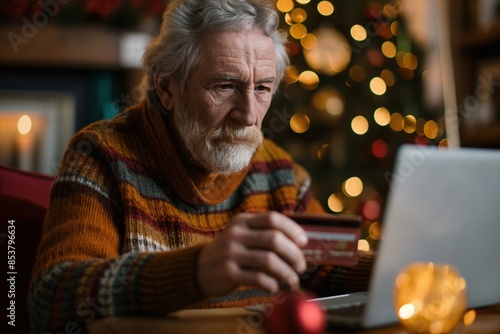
(309, 41)
(291, 74)
(409, 123)
(335, 203)
(24, 124)
(380, 148)
(359, 125)
(298, 15)
(371, 209)
(374, 231)
(363, 245)
(378, 86)
(332, 53)
(388, 77)
(358, 32)
(431, 129)
(382, 116)
(303, 2)
(329, 100)
(325, 8)
(352, 187)
(396, 122)
(357, 73)
(389, 49)
(299, 123)
(308, 80)
(285, 6)
(298, 30)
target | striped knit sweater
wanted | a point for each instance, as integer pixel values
(127, 219)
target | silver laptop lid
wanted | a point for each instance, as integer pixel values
(443, 206)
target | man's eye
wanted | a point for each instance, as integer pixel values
(262, 88)
(225, 86)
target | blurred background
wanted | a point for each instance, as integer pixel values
(366, 77)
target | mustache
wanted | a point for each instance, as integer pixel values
(230, 133)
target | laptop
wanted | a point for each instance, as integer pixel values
(443, 206)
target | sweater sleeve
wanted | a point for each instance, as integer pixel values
(80, 274)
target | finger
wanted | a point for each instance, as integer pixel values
(278, 221)
(269, 263)
(260, 279)
(277, 242)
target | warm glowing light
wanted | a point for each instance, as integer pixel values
(323, 151)
(382, 116)
(329, 100)
(443, 143)
(469, 317)
(358, 32)
(389, 49)
(332, 53)
(409, 124)
(378, 86)
(410, 61)
(406, 311)
(374, 231)
(298, 15)
(288, 19)
(396, 122)
(300, 123)
(359, 125)
(353, 187)
(303, 2)
(388, 77)
(298, 30)
(291, 74)
(335, 203)
(431, 129)
(309, 41)
(394, 28)
(357, 73)
(285, 6)
(24, 124)
(325, 8)
(390, 11)
(430, 298)
(363, 245)
(308, 80)
(399, 58)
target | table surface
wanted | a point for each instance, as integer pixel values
(242, 321)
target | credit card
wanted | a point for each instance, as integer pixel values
(333, 239)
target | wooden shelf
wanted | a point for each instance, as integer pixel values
(60, 46)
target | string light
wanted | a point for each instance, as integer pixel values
(285, 6)
(298, 15)
(359, 125)
(388, 77)
(378, 86)
(358, 33)
(396, 123)
(299, 123)
(389, 49)
(382, 116)
(335, 203)
(325, 8)
(352, 187)
(308, 80)
(431, 129)
(309, 41)
(298, 30)
(409, 124)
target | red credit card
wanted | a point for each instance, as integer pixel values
(333, 239)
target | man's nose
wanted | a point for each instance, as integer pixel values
(245, 110)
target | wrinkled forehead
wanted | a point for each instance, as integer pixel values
(249, 46)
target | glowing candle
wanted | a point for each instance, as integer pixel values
(25, 143)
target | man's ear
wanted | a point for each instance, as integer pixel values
(165, 93)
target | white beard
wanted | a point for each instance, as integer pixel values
(222, 150)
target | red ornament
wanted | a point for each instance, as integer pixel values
(295, 315)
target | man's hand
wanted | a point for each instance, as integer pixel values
(261, 250)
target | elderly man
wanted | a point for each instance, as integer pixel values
(175, 202)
